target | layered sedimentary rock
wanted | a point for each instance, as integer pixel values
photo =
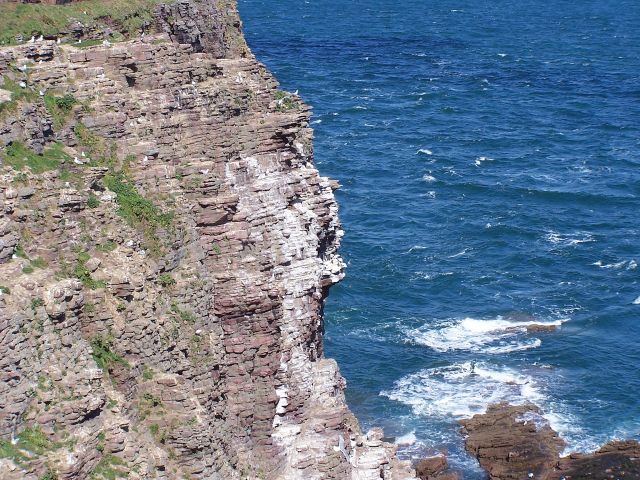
(166, 246)
(516, 442)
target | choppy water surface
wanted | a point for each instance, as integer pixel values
(489, 157)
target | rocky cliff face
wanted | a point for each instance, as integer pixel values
(166, 245)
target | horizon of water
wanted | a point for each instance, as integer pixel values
(489, 157)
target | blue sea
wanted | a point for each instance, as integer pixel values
(489, 156)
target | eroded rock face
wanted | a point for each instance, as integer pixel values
(167, 277)
(516, 442)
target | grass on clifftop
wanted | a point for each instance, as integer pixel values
(125, 16)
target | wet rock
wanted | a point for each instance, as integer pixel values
(516, 442)
(435, 468)
(541, 328)
(513, 442)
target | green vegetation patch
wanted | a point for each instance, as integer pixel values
(36, 303)
(83, 274)
(92, 201)
(49, 475)
(109, 467)
(39, 263)
(284, 102)
(104, 356)
(59, 108)
(184, 315)
(18, 93)
(32, 441)
(18, 156)
(138, 211)
(134, 208)
(166, 280)
(125, 16)
(107, 246)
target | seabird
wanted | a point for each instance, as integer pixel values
(106, 43)
(82, 154)
(23, 68)
(205, 171)
(32, 39)
(23, 85)
(40, 38)
(41, 92)
(76, 161)
(145, 159)
(58, 41)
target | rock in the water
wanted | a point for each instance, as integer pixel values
(615, 460)
(435, 468)
(516, 442)
(512, 442)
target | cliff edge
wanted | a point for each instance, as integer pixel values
(166, 246)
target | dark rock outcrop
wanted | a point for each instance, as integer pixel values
(516, 442)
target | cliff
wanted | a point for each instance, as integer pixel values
(166, 246)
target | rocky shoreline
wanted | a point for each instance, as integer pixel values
(517, 442)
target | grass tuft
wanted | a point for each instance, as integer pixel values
(138, 211)
(105, 358)
(109, 468)
(18, 156)
(59, 108)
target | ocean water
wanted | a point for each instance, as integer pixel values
(489, 154)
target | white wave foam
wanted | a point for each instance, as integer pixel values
(502, 55)
(425, 151)
(428, 178)
(462, 389)
(416, 247)
(568, 239)
(480, 160)
(316, 122)
(493, 336)
(632, 265)
(636, 301)
(431, 194)
(407, 439)
(518, 347)
(610, 265)
(430, 276)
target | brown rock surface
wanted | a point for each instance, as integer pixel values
(615, 460)
(516, 442)
(435, 468)
(512, 442)
(167, 276)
